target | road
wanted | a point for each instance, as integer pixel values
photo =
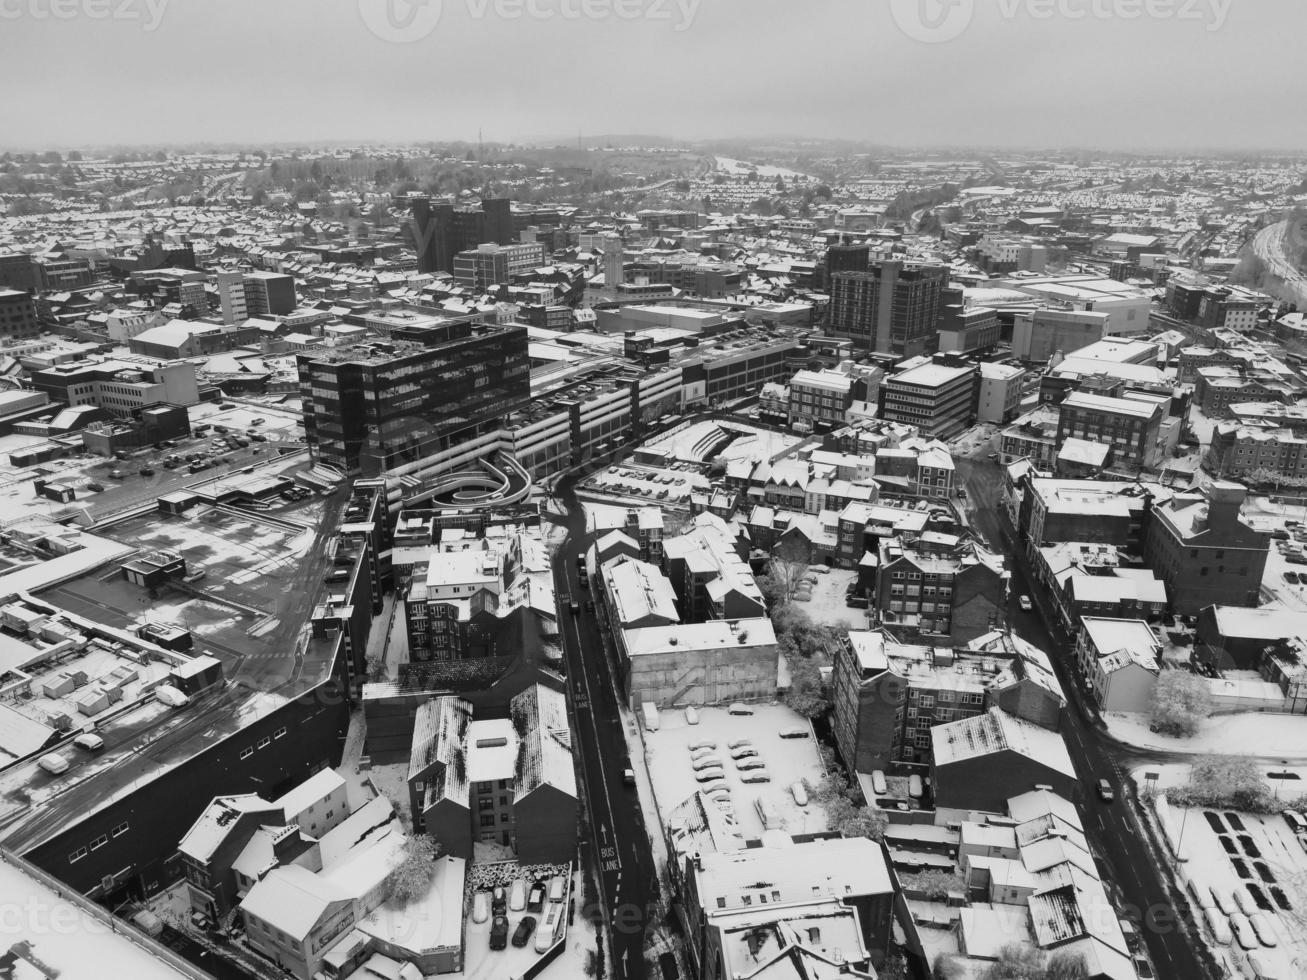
(1115, 833)
(628, 879)
(1273, 247)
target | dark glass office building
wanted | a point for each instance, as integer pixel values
(378, 406)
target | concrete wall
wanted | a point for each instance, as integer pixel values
(734, 673)
(546, 821)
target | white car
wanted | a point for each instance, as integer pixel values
(709, 774)
(1025, 603)
(706, 762)
(753, 762)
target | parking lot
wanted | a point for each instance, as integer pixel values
(670, 484)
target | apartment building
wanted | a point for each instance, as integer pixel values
(503, 780)
(999, 392)
(17, 316)
(893, 308)
(1033, 436)
(958, 592)
(887, 696)
(1120, 658)
(1271, 453)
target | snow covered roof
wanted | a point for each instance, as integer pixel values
(546, 752)
(214, 824)
(997, 731)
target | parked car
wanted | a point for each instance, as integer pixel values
(499, 932)
(53, 763)
(1291, 577)
(535, 899)
(89, 741)
(522, 934)
(499, 900)
(517, 895)
(481, 907)
(93, 485)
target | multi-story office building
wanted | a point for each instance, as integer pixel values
(269, 293)
(489, 264)
(119, 386)
(1130, 425)
(821, 397)
(893, 308)
(379, 407)
(1204, 551)
(963, 329)
(937, 397)
(17, 315)
(440, 230)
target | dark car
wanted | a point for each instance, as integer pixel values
(499, 932)
(147, 471)
(499, 900)
(522, 934)
(535, 899)
(574, 606)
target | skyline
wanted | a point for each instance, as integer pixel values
(1031, 73)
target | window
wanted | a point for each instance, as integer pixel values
(488, 820)
(99, 842)
(77, 855)
(120, 829)
(265, 742)
(279, 732)
(246, 752)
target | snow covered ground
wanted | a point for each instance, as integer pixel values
(827, 605)
(1253, 734)
(742, 168)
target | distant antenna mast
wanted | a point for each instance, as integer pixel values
(481, 149)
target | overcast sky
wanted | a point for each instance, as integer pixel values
(1098, 73)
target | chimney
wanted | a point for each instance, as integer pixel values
(1224, 501)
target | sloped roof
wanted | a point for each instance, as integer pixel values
(997, 731)
(545, 752)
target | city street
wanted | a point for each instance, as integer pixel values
(1114, 829)
(618, 841)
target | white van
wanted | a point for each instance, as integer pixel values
(53, 763)
(545, 931)
(169, 695)
(914, 787)
(556, 888)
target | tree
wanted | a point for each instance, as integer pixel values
(412, 877)
(806, 694)
(1021, 962)
(783, 577)
(1181, 702)
(1226, 781)
(835, 796)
